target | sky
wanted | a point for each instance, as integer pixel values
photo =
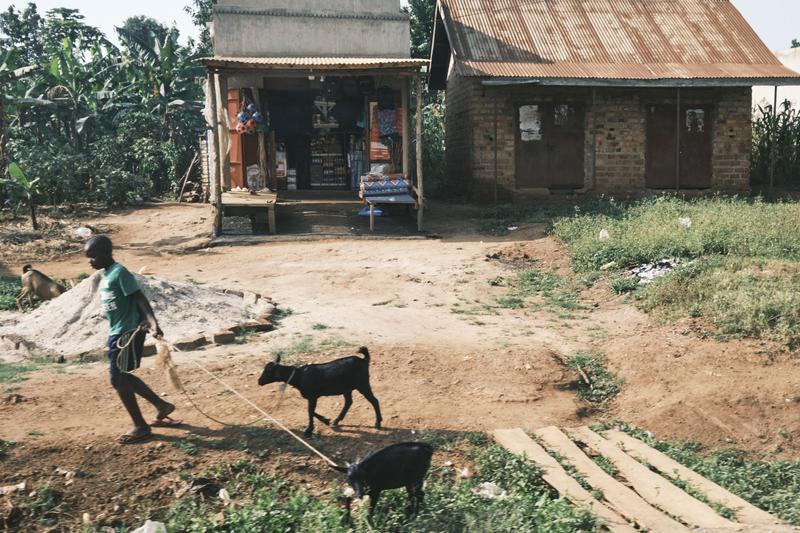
(775, 21)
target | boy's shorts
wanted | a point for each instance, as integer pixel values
(134, 354)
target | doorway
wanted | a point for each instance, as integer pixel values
(694, 160)
(550, 145)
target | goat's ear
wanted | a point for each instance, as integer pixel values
(342, 469)
(277, 358)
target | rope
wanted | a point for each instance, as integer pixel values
(266, 415)
(123, 356)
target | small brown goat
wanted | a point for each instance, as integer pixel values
(34, 283)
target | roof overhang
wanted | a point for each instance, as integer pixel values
(665, 83)
(314, 64)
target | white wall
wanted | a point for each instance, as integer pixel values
(286, 28)
(764, 95)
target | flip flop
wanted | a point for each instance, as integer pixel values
(127, 438)
(166, 422)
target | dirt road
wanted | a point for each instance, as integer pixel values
(446, 357)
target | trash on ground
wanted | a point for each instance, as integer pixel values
(151, 527)
(83, 233)
(604, 235)
(8, 489)
(648, 272)
(685, 222)
(490, 491)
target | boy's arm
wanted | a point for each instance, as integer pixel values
(148, 317)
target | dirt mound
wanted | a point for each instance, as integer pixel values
(73, 323)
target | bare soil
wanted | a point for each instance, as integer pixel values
(446, 360)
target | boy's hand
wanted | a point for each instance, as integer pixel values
(152, 327)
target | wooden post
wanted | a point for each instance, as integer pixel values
(406, 134)
(224, 130)
(773, 131)
(216, 176)
(420, 188)
(262, 144)
(678, 143)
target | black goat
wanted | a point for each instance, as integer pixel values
(398, 465)
(341, 376)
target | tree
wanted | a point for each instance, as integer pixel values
(422, 13)
(143, 27)
(202, 12)
(29, 188)
(795, 43)
(22, 31)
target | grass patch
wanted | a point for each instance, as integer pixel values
(449, 506)
(319, 326)
(497, 219)
(649, 230)
(5, 445)
(556, 291)
(746, 256)
(14, 372)
(771, 485)
(739, 296)
(187, 447)
(623, 284)
(602, 385)
(9, 290)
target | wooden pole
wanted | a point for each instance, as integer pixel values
(262, 144)
(224, 130)
(420, 186)
(406, 134)
(216, 176)
(678, 142)
(773, 132)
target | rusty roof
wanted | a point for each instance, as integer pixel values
(314, 63)
(604, 39)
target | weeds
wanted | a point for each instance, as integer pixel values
(557, 292)
(450, 506)
(5, 445)
(318, 326)
(9, 290)
(597, 384)
(13, 372)
(187, 447)
(623, 284)
(771, 485)
(739, 296)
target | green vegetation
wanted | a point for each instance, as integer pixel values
(650, 230)
(319, 326)
(786, 126)
(9, 290)
(739, 296)
(87, 120)
(450, 505)
(5, 445)
(771, 485)
(597, 384)
(742, 259)
(554, 290)
(14, 372)
(187, 447)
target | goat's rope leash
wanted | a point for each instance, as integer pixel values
(266, 415)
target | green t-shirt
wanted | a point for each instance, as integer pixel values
(116, 288)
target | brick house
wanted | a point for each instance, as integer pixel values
(597, 96)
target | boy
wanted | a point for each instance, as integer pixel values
(130, 317)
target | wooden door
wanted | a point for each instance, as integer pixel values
(236, 144)
(550, 145)
(531, 152)
(565, 136)
(660, 150)
(696, 149)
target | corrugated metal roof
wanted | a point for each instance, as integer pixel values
(307, 63)
(607, 39)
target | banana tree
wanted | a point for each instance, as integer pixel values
(29, 189)
(10, 73)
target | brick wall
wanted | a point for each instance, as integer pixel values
(620, 139)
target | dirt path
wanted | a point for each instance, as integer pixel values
(446, 358)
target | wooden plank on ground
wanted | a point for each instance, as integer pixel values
(624, 500)
(652, 487)
(745, 512)
(516, 441)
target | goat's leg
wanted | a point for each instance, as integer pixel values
(374, 496)
(312, 406)
(322, 419)
(367, 392)
(22, 294)
(419, 495)
(348, 401)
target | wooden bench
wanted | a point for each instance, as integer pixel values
(244, 203)
(392, 189)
